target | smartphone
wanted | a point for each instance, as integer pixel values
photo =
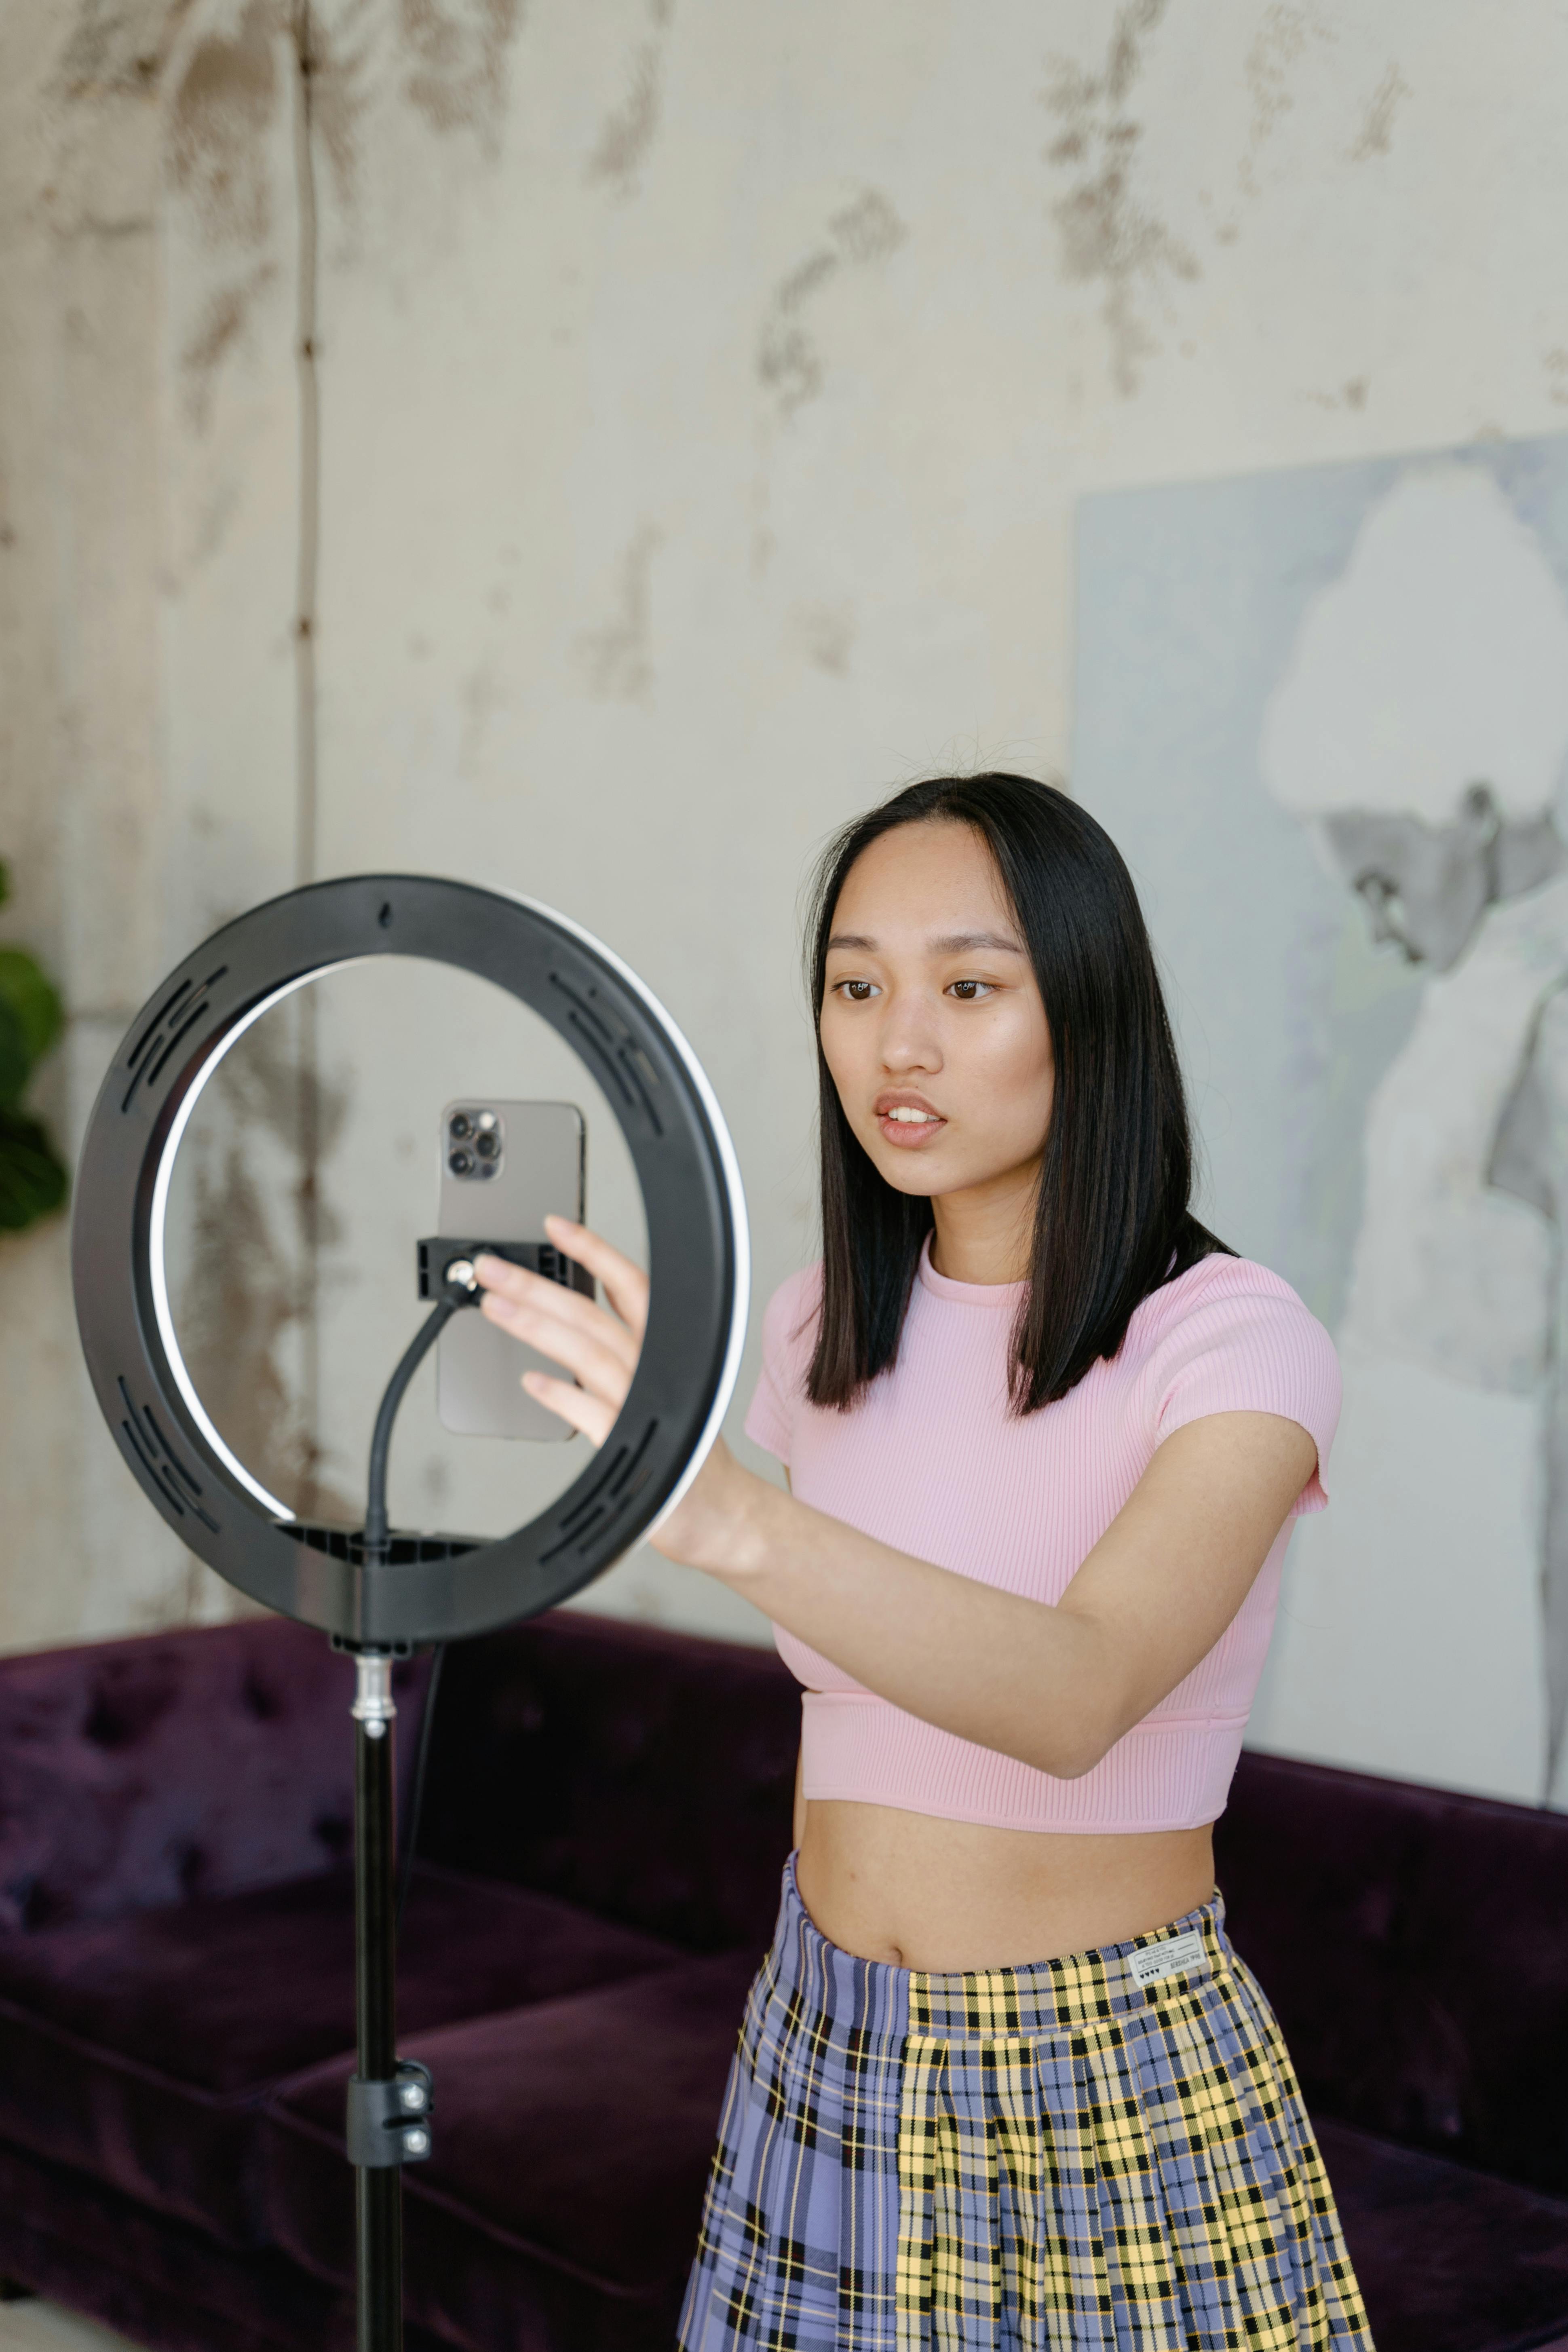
(505, 1166)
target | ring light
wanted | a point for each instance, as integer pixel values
(433, 1586)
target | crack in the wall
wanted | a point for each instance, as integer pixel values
(458, 82)
(119, 45)
(305, 618)
(308, 1090)
(220, 330)
(1282, 39)
(789, 363)
(617, 658)
(218, 122)
(1108, 237)
(627, 134)
(1376, 132)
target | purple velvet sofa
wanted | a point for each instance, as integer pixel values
(608, 1810)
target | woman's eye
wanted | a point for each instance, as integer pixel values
(970, 992)
(859, 991)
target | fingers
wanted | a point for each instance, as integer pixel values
(591, 1416)
(626, 1284)
(515, 1297)
(602, 1369)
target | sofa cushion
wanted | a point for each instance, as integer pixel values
(660, 1773)
(1448, 2260)
(178, 1765)
(154, 2281)
(137, 2050)
(572, 2142)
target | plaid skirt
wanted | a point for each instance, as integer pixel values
(1103, 2151)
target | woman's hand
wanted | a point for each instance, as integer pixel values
(601, 1347)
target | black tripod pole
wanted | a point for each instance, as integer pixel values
(389, 2098)
(378, 2187)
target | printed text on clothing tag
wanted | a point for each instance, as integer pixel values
(1154, 1962)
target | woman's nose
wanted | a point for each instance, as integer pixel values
(908, 1041)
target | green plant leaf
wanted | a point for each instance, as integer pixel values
(32, 998)
(14, 1059)
(33, 1178)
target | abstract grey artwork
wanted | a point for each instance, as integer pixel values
(1325, 714)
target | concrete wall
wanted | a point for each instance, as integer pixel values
(597, 450)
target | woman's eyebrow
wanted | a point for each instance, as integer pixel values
(961, 942)
(954, 943)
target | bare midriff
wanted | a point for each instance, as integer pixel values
(920, 1892)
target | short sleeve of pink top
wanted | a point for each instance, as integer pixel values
(932, 1462)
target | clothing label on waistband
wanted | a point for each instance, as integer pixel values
(1153, 1963)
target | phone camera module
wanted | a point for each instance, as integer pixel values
(461, 1162)
(459, 1126)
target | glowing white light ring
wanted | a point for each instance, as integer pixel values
(734, 1191)
(155, 1252)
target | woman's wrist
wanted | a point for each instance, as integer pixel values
(722, 1524)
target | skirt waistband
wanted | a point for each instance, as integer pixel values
(1041, 1996)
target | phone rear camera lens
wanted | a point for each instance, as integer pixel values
(490, 1167)
(461, 1163)
(487, 1144)
(458, 1126)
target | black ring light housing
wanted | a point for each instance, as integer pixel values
(432, 1587)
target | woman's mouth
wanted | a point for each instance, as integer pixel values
(908, 1123)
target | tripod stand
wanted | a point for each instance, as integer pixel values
(380, 1596)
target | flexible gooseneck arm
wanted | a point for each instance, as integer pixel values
(460, 1289)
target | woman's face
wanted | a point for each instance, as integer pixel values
(933, 1025)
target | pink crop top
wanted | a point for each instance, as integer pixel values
(932, 1462)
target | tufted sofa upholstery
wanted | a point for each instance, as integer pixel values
(607, 1810)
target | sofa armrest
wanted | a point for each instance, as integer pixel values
(193, 1763)
(648, 1776)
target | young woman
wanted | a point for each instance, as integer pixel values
(1002, 2080)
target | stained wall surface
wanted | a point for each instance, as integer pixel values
(594, 451)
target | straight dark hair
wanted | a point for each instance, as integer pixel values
(1111, 1220)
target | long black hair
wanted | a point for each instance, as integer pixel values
(1112, 1219)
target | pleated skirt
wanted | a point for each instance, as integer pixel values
(1106, 2150)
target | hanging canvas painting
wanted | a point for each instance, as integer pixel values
(1324, 713)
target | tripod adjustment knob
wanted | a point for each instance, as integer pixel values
(388, 2120)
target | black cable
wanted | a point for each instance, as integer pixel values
(416, 1796)
(377, 1539)
(377, 1535)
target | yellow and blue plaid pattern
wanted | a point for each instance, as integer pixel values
(1055, 2158)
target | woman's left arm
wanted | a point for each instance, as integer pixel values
(1054, 1684)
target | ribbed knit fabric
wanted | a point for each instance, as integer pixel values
(933, 1462)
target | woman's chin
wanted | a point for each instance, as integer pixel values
(921, 1173)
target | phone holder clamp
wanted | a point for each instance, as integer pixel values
(443, 1261)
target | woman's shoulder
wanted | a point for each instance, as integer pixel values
(1232, 1336)
(1216, 1280)
(1230, 1304)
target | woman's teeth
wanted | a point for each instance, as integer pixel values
(907, 1116)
